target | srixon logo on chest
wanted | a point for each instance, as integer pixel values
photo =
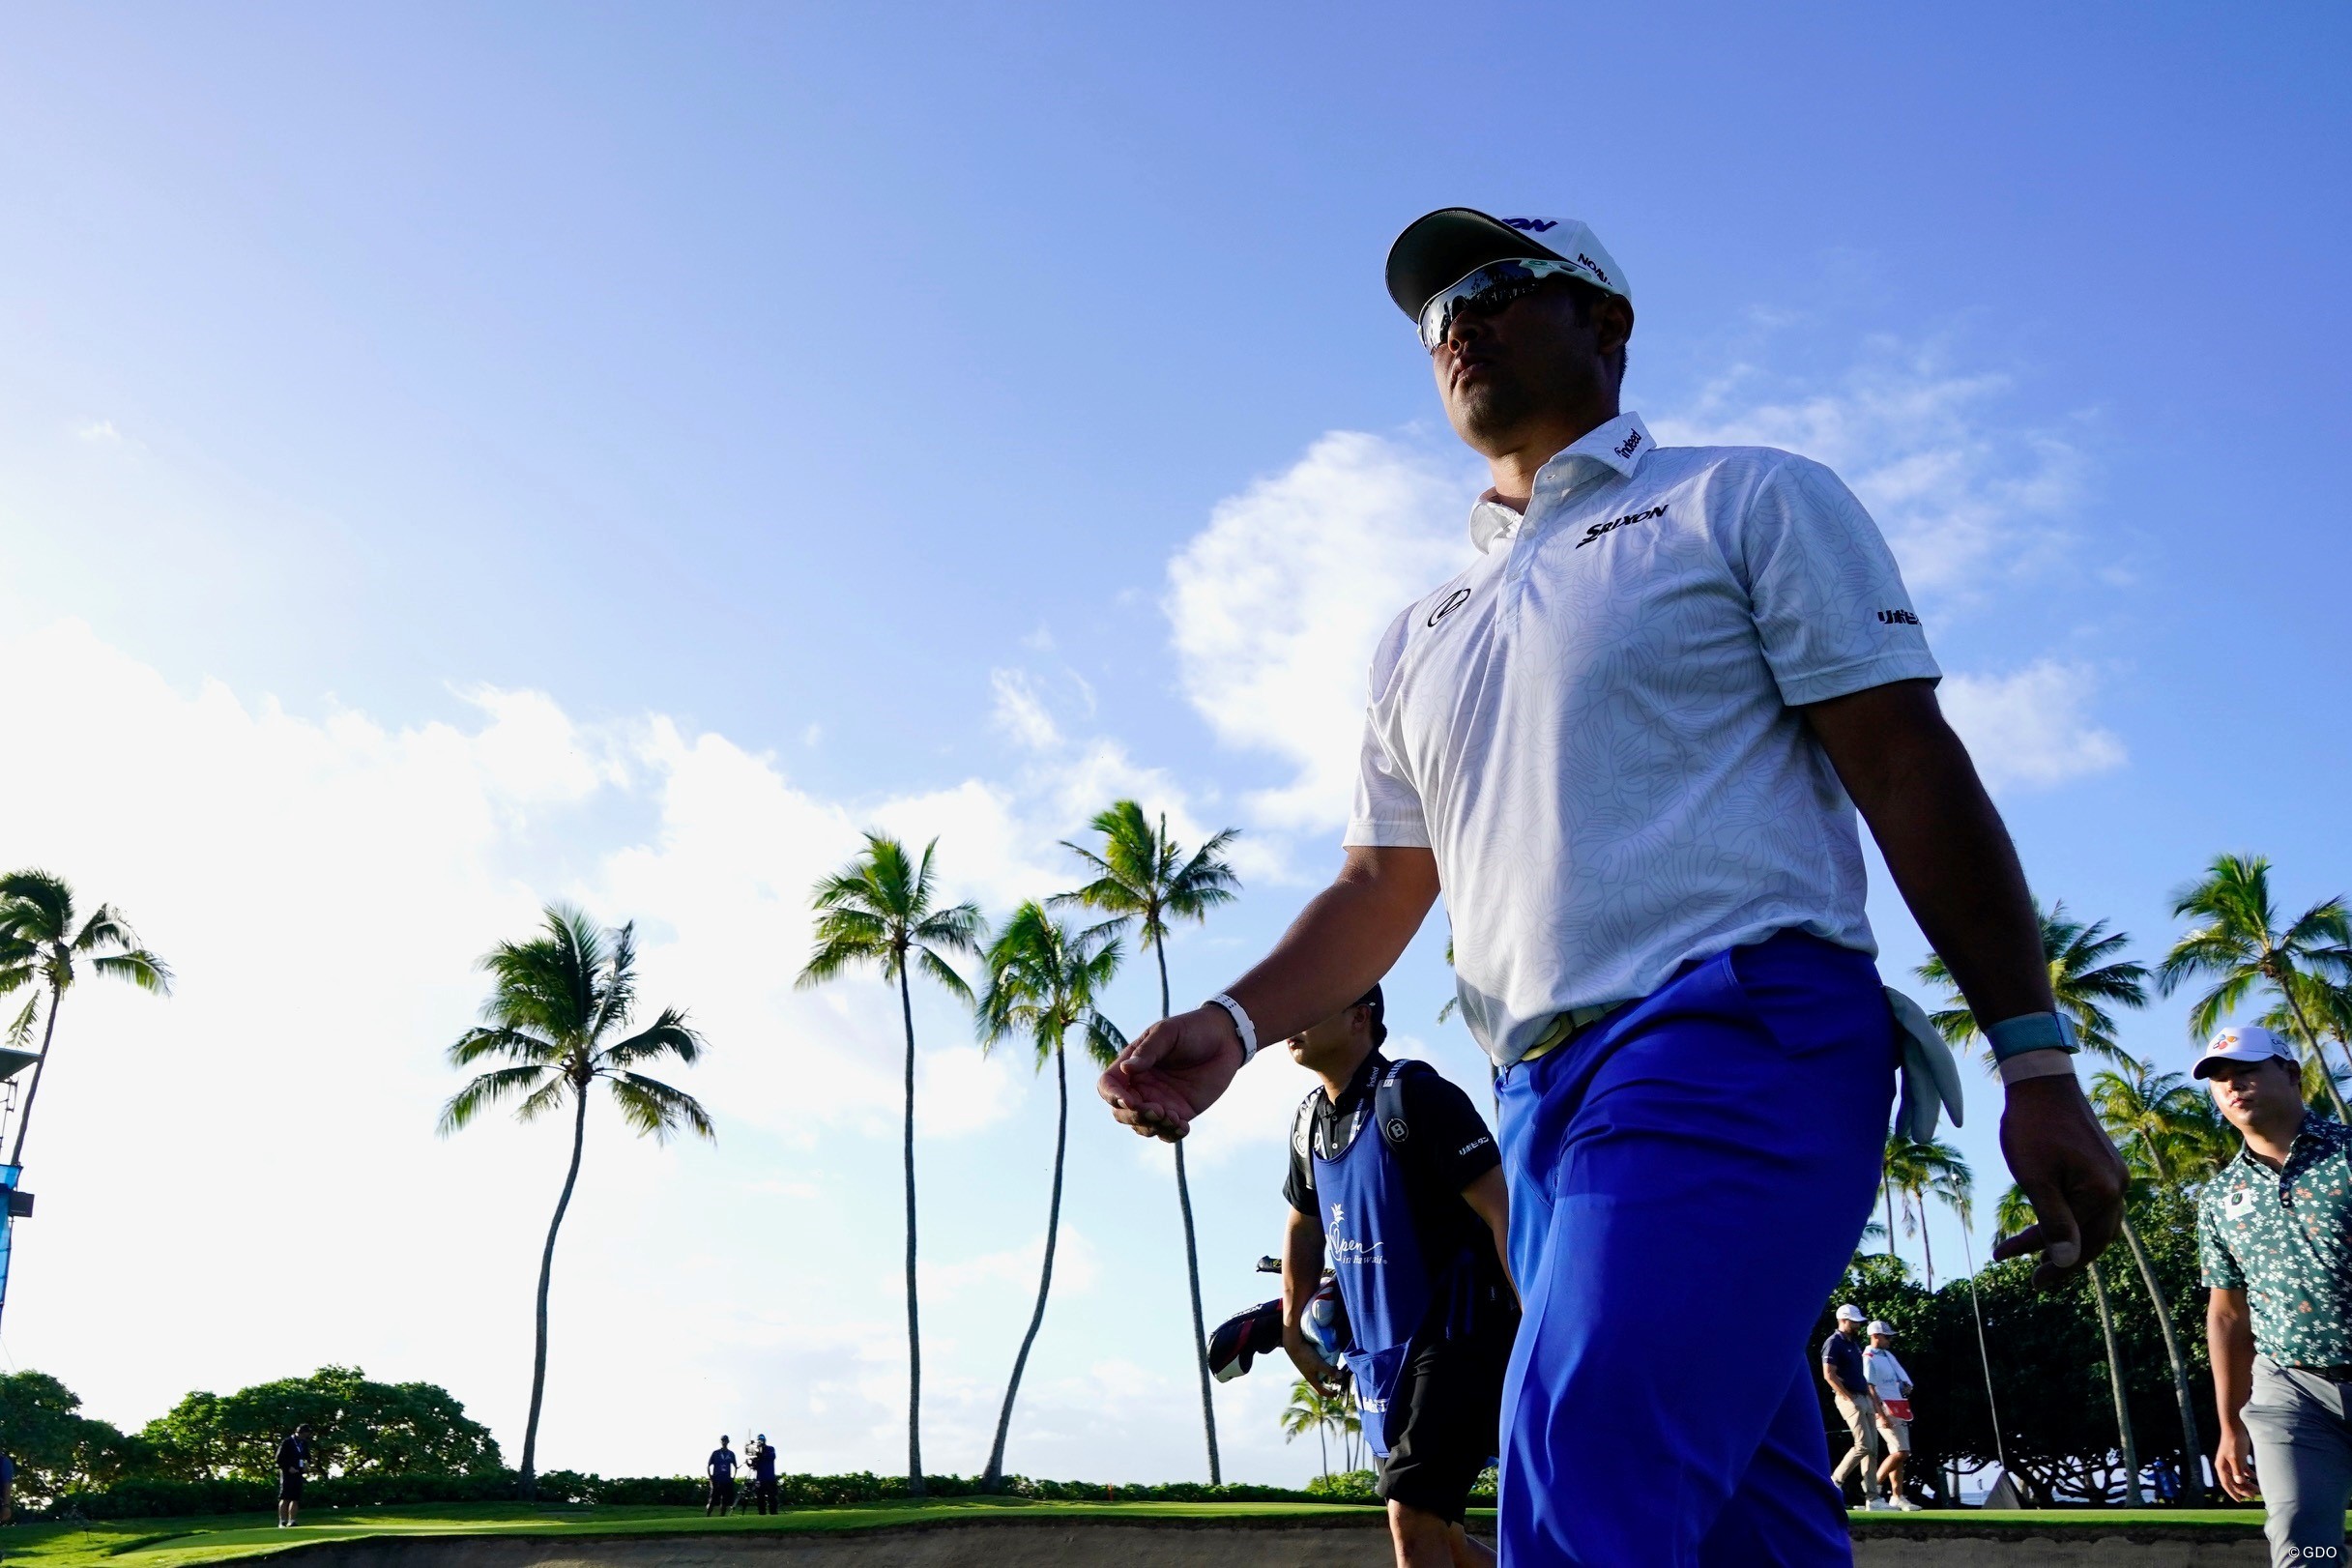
(1615, 523)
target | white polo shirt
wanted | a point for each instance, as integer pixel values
(1593, 727)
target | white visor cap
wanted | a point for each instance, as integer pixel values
(1439, 250)
(1881, 1327)
(2245, 1043)
(1850, 1314)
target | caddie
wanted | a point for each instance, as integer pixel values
(1628, 743)
(1394, 1174)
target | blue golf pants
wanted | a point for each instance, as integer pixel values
(1688, 1181)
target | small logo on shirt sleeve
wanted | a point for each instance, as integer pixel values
(1898, 618)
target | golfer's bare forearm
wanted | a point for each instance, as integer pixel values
(1951, 858)
(1302, 1266)
(1490, 1198)
(1341, 942)
(2229, 1342)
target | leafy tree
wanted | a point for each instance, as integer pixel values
(2241, 946)
(1143, 874)
(2085, 977)
(555, 1001)
(57, 1448)
(360, 1427)
(1043, 982)
(41, 946)
(878, 910)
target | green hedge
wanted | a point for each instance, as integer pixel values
(160, 1499)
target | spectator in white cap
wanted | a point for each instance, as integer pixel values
(1891, 1386)
(2274, 1246)
(1849, 1386)
(1628, 744)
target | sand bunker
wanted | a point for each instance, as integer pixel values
(1341, 1541)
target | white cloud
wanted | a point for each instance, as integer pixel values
(1276, 605)
(2032, 728)
(1963, 495)
(1013, 1271)
(1020, 713)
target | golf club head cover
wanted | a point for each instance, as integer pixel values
(1242, 1337)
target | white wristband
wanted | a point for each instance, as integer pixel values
(2044, 1063)
(1241, 1023)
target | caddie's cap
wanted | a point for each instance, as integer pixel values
(1879, 1325)
(1444, 248)
(1850, 1314)
(2242, 1042)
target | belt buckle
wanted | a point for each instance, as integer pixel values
(1566, 1026)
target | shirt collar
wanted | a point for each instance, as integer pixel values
(1360, 1084)
(1620, 447)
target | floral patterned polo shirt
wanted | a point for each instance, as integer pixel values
(2285, 1240)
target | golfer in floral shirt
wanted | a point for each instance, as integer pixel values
(2275, 1238)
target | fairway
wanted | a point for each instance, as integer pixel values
(1131, 1535)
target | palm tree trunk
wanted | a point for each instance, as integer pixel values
(1045, 1277)
(1886, 1189)
(24, 1117)
(1192, 1275)
(2191, 1475)
(2310, 1040)
(1992, 1412)
(2123, 1410)
(1927, 1247)
(539, 1360)
(914, 1332)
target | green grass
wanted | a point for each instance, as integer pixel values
(187, 1543)
(183, 1543)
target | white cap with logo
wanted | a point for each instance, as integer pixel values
(1850, 1314)
(1440, 249)
(1879, 1325)
(2242, 1042)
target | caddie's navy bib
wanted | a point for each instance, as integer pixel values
(1383, 1278)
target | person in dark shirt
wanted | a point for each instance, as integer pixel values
(292, 1453)
(762, 1456)
(1394, 1170)
(1842, 1370)
(720, 1469)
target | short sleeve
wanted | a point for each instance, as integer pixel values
(2217, 1267)
(1388, 811)
(1448, 1137)
(1829, 603)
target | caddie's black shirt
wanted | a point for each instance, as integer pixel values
(1445, 1149)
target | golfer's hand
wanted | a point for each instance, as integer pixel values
(2069, 1172)
(1311, 1365)
(2233, 1461)
(1173, 1071)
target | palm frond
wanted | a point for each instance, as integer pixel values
(514, 1044)
(945, 974)
(614, 985)
(667, 1035)
(21, 1033)
(655, 1109)
(486, 1091)
(35, 907)
(139, 967)
(1104, 1041)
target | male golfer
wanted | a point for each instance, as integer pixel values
(292, 1453)
(1849, 1386)
(1628, 744)
(2275, 1241)
(1891, 1387)
(1392, 1168)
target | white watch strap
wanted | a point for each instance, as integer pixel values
(1241, 1023)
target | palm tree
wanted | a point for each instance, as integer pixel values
(40, 944)
(2015, 1213)
(2241, 946)
(2145, 1116)
(1921, 1171)
(2328, 1004)
(1312, 1410)
(1143, 874)
(555, 1001)
(2085, 978)
(1043, 980)
(876, 909)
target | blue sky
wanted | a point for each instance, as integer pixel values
(454, 457)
